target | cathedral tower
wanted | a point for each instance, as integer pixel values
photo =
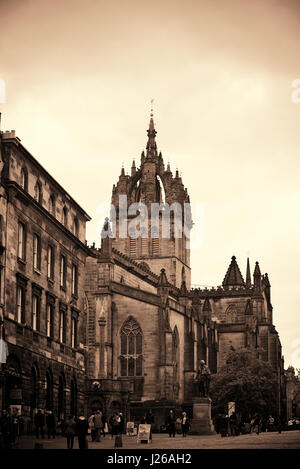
(153, 232)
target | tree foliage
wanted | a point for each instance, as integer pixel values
(249, 382)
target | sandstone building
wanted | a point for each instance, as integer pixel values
(118, 327)
(43, 256)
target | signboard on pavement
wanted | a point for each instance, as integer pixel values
(144, 432)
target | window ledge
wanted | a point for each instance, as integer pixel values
(21, 261)
(36, 271)
(50, 281)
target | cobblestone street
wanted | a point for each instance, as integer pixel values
(285, 440)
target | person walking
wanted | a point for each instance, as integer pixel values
(271, 422)
(233, 424)
(171, 423)
(185, 424)
(224, 425)
(39, 422)
(6, 429)
(70, 431)
(149, 419)
(82, 427)
(121, 423)
(104, 427)
(256, 424)
(98, 425)
(51, 424)
(92, 427)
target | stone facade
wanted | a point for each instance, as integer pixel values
(42, 310)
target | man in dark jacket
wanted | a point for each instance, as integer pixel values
(82, 427)
(70, 431)
(51, 424)
(171, 423)
(39, 422)
(149, 419)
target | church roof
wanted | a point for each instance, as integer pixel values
(233, 275)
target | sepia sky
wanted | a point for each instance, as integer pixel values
(79, 78)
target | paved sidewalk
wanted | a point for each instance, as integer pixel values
(285, 440)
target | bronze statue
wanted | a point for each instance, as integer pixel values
(202, 379)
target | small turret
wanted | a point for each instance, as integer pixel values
(233, 277)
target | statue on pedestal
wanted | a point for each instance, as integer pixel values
(202, 380)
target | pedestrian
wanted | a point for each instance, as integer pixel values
(171, 423)
(120, 420)
(104, 427)
(6, 429)
(114, 424)
(256, 424)
(51, 424)
(233, 424)
(119, 430)
(92, 427)
(98, 425)
(39, 422)
(149, 419)
(185, 424)
(271, 421)
(82, 427)
(70, 431)
(15, 422)
(224, 425)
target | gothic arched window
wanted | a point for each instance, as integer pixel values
(131, 358)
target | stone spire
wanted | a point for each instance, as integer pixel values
(248, 274)
(151, 144)
(233, 275)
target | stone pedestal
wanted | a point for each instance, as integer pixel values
(202, 423)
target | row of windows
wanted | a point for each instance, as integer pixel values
(50, 259)
(51, 203)
(50, 316)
